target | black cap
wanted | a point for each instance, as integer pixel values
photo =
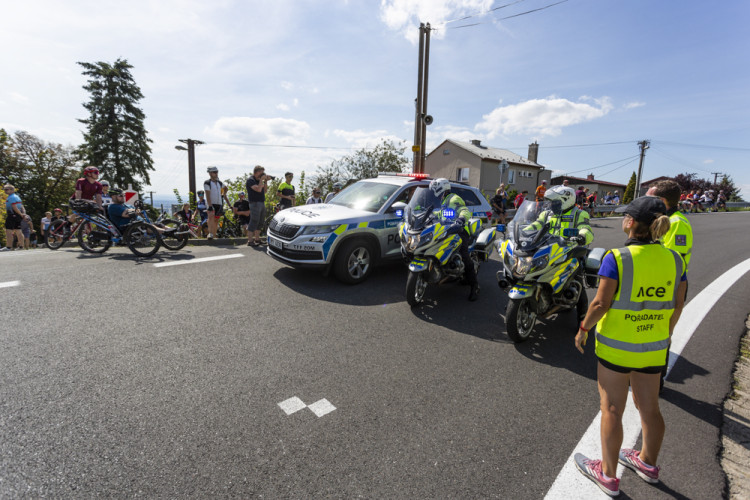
(644, 209)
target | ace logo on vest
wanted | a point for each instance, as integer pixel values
(652, 292)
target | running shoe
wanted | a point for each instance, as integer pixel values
(631, 459)
(592, 469)
(210, 236)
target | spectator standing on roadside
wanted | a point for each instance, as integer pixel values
(215, 198)
(315, 198)
(106, 198)
(632, 339)
(26, 228)
(336, 189)
(14, 214)
(520, 197)
(498, 205)
(201, 206)
(566, 182)
(540, 190)
(616, 198)
(286, 191)
(241, 209)
(45, 222)
(256, 190)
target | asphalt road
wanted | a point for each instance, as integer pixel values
(119, 378)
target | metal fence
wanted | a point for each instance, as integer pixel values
(603, 209)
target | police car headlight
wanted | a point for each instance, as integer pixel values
(319, 229)
(522, 265)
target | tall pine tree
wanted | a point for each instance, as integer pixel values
(115, 138)
(629, 193)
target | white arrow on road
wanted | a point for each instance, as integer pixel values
(570, 483)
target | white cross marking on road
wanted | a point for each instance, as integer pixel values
(295, 404)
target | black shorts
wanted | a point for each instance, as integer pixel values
(12, 221)
(218, 210)
(625, 369)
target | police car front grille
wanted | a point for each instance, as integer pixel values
(286, 231)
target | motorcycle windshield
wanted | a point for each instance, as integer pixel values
(531, 227)
(422, 210)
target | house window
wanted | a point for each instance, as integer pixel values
(511, 176)
(462, 174)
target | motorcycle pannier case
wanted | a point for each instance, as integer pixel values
(484, 241)
(593, 263)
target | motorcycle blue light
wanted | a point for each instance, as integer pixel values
(449, 213)
(399, 213)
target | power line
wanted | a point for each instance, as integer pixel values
(586, 145)
(478, 14)
(704, 146)
(618, 168)
(628, 159)
(510, 17)
(282, 146)
(679, 160)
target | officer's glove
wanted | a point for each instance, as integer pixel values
(581, 240)
(457, 226)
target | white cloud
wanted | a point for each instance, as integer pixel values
(287, 85)
(282, 107)
(634, 104)
(282, 131)
(366, 139)
(405, 15)
(542, 116)
(18, 97)
(707, 161)
(295, 102)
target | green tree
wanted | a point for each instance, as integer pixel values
(689, 182)
(627, 196)
(115, 139)
(43, 173)
(388, 156)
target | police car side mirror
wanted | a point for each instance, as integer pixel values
(570, 232)
(398, 209)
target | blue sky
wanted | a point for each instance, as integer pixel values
(342, 74)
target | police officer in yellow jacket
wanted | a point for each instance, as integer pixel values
(442, 189)
(570, 217)
(680, 235)
(638, 303)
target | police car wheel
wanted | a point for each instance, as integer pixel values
(354, 262)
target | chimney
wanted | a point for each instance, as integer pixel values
(533, 152)
(476, 142)
(590, 177)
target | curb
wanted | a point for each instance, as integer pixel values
(191, 242)
(735, 433)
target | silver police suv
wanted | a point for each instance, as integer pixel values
(357, 229)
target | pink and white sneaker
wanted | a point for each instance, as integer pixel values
(592, 469)
(631, 459)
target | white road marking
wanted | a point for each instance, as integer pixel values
(295, 404)
(570, 483)
(9, 284)
(202, 259)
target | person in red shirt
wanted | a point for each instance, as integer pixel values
(520, 198)
(88, 188)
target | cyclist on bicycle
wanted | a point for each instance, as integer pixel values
(119, 213)
(88, 188)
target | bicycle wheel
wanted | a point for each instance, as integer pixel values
(93, 239)
(56, 235)
(142, 239)
(169, 239)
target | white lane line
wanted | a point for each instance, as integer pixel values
(8, 284)
(570, 483)
(202, 259)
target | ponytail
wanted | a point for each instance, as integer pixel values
(659, 227)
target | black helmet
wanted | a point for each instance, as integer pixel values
(115, 191)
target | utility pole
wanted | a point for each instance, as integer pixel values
(644, 145)
(421, 118)
(151, 194)
(191, 163)
(716, 174)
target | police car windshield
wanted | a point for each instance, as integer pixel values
(365, 195)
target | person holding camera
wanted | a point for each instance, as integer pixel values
(256, 196)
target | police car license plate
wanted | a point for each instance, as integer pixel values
(275, 243)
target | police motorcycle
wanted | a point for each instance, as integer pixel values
(546, 273)
(430, 244)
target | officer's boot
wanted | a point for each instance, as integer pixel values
(474, 294)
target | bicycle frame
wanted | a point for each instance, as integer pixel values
(101, 222)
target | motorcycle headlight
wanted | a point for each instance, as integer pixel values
(412, 240)
(540, 262)
(319, 229)
(522, 265)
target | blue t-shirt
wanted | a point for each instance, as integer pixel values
(609, 268)
(115, 211)
(13, 199)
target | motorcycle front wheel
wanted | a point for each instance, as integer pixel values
(415, 288)
(519, 319)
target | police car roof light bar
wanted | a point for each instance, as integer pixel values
(405, 174)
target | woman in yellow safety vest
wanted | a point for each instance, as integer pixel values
(639, 300)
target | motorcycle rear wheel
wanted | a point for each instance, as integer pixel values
(519, 320)
(416, 285)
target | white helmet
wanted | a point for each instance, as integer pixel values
(566, 195)
(440, 187)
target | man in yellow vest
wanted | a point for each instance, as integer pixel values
(680, 235)
(637, 305)
(568, 215)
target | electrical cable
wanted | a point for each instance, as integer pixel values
(511, 17)
(704, 146)
(282, 146)
(676, 159)
(629, 158)
(618, 168)
(478, 14)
